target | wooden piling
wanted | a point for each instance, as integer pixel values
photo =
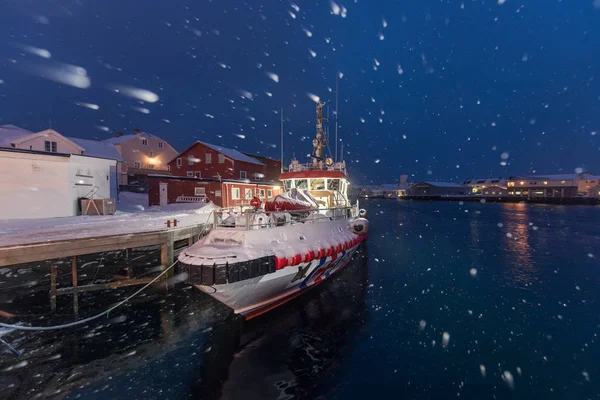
(128, 266)
(74, 280)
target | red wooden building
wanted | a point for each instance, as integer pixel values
(227, 177)
(165, 189)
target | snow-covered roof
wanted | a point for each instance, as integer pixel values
(445, 184)
(484, 181)
(10, 133)
(95, 148)
(231, 153)
(556, 177)
(125, 138)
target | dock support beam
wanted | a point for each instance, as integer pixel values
(53, 273)
(166, 252)
(128, 266)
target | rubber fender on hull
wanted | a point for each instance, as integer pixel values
(360, 226)
(362, 213)
(229, 273)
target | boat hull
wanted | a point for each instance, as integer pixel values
(253, 297)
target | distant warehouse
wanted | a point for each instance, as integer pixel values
(438, 189)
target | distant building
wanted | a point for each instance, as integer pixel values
(561, 185)
(494, 191)
(587, 182)
(429, 188)
(478, 184)
(389, 191)
(45, 184)
(142, 154)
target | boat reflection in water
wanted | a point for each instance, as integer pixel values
(288, 353)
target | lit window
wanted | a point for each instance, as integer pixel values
(199, 191)
(235, 193)
(247, 193)
(521, 183)
(208, 158)
(221, 158)
(179, 162)
(545, 182)
(145, 142)
(562, 182)
(160, 145)
(510, 184)
(243, 175)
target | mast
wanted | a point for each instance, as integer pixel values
(282, 140)
(336, 117)
(319, 141)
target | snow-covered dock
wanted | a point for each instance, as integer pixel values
(49, 240)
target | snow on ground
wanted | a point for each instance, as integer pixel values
(133, 216)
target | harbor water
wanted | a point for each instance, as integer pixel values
(444, 300)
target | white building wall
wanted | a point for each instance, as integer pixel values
(33, 186)
(47, 186)
(87, 176)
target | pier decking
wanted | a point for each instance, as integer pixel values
(55, 246)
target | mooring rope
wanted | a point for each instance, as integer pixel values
(83, 321)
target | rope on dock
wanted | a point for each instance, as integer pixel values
(83, 321)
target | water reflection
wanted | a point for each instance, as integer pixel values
(185, 344)
(521, 270)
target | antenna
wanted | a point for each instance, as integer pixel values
(342, 151)
(50, 123)
(282, 140)
(336, 117)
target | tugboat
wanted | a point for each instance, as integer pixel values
(259, 258)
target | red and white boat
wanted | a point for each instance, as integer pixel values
(258, 259)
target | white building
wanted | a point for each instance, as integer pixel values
(44, 174)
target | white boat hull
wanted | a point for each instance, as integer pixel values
(255, 296)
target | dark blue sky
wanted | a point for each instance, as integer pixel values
(478, 78)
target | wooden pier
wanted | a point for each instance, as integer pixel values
(49, 253)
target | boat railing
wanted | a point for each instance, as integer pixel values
(251, 219)
(320, 166)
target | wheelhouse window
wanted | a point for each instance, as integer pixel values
(302, 184)
(269, 193)
(288, 184)
(317, 184)
(235, 193)
(247, 194)
(243, 175)
(333, 184)
(199, 191)
(262, 193)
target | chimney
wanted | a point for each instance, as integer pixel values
(119, 134)
(136, 131)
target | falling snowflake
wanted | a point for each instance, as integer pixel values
(313, 97)
(312, 53)
(272, 76)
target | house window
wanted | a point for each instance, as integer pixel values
(137, 164)
(160, 145)
(31, 148)
(50, 146)
(179, 162)
(190, 174)
(145, 142)
(221, 158)
(168, 167)
(243, 175)
(217, 193)
(269, 193)
(262, 193)
(190, 160)
(247, 193)
(151, 154)
(258, 176)
(197, 174)
(235, 193)
(208, 157)
(199, 191)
